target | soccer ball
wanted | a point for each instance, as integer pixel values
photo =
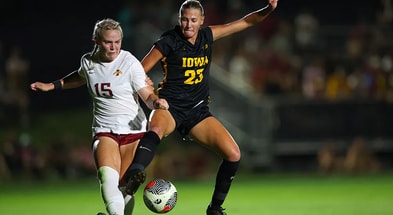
(160, 196)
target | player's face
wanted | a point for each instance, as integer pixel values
(109, 45)
(190, 22)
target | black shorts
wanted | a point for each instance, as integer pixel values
(185, 120)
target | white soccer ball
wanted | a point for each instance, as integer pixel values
(160, 196)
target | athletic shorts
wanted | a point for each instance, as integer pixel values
(121, 139)
(185, 120)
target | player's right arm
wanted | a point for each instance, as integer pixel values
(70, 81)
(151, 59)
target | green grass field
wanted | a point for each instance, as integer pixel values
(250, 195)
(263, 194)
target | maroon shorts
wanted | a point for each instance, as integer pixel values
(121, 139)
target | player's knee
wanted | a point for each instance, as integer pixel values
(236, 156)
(233, 155)
(158, 130)
(107, 174)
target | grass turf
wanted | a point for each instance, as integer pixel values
(250, 194)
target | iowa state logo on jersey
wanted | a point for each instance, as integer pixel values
(117, 72)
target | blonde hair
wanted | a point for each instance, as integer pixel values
(104, 25)
(99, 27)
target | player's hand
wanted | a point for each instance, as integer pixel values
(39, 86)
(161, 104)
(273, 3)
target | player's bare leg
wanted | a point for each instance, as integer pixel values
(107, 159)
(126, 159)
(161, 124)
(212, 134)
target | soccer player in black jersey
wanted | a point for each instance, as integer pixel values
(185, 56)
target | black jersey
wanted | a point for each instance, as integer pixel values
(186, 68)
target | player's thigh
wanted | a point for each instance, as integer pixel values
(211, 133)
(106, 153)
(161, 122)
(127, 153)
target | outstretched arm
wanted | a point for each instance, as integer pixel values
(72, 80)
(251, 19)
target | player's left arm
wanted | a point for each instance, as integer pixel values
(251, 19)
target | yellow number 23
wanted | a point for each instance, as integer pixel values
(194, 76)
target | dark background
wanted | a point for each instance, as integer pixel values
(54, 34)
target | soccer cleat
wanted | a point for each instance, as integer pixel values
(100, 213)
(136, 177)
(215, 211)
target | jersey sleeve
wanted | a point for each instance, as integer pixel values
(137, 73)
(207, 31)
(167, 42)
(84, 65)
